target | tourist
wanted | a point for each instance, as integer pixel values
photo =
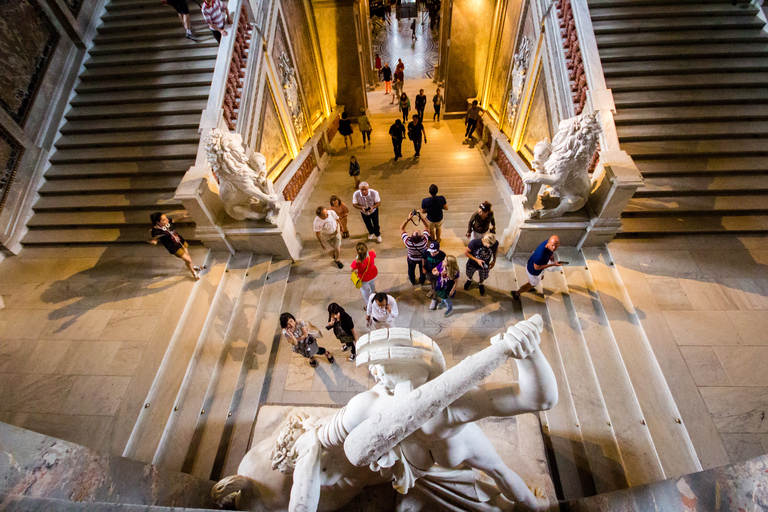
(338, 206)
(345, 128)
(327, 229)
(343, 328)
(164, 230)
(432, 207)
(302, 342)
(405, 106)
(413, 29)
(400, 69)
(430, 259)
(420, 103)
(367, 201)
(364, 124)
(183, 9)
(447, 273)
(397, 132)
(216, 16)
(354, 170)
(381, 311)
(415, 132)
(377, 66)
(481, 258)
(470, 118)
(386, 75)
(481, 222)
(364, 267)
(541, 259)
(397, 91)
(416, 243)
(438, 101)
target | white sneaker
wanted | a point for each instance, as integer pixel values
(433, 305)
(371, 237)
(378, 239)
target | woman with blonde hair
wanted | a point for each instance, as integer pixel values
(447, 272)
(366, 270)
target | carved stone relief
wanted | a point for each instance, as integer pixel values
(519, 73)
(281, 55)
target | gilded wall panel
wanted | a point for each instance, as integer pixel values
(286, 70)
(10, 156)
(525, 50)
(27, 42)
(505, 51)
(272, 141)
(301, 40)
(538, 122)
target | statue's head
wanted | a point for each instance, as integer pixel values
(261, 162)
(541, 152)
(398, 355)
(285, 454)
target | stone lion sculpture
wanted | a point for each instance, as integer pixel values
(563, 165)
(244, 189)
(415, 429)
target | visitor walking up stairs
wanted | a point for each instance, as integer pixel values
(130, 131)
(690, 82)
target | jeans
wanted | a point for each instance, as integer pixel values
(372, 223)
(412, 271)
(398, 145)
(405, 115)
(417, 146)
(366, 135)
(420, 112)
(367, 289)
(448, 303)
(471, 124)
(437, 113)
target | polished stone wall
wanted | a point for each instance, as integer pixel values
(505, 48)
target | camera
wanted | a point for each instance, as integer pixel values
(415, 212)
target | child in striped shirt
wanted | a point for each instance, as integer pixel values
(416, 245)
(215, 15)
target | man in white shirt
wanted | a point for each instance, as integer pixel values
(367, 201)
(326, 226)
(381, 311)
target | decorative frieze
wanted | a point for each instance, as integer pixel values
(294, 186)
(10, 156)
(333, 127)
(508, 171)
(519, 74)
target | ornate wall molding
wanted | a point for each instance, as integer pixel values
(11, 152)
(519, 75)
(294, 186)
(508, 171)
(231, 106)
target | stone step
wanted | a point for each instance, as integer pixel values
(91, 99)
(150, 45)
(145, 82)
(122, 154)
(130, 124)
(660, 414)
(601, 445)
(561, 423)
(688, 205)
(698, 224)
(689, 51)
(139, 11)
(674, 38)
(714, 24)
(682, 67)
(170, 20)
(115, 5)
(709, 81)
(692, 97)
(102, 219)
(636, 3)
(136, 110)
(206, 52)
(708, 148)
(658, 115)
(209, 431)
(21, 503)
(144, 70)
(252, 379)
(693, 165)
(693, 131)
(92, 236)
(693, 185)
(199, 28)
(106, 202)
(110, 185)
(638, 453)
(130, 170)
(188, 405)
(646, 12)
(141, 138)
(152, 419)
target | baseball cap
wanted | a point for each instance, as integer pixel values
(434, 246)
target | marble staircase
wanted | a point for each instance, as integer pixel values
(690, 83)
(202, 404)
(130, 130)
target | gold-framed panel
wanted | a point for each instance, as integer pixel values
(538, 118)
(272, 138)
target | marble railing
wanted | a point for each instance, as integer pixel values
(236, 75)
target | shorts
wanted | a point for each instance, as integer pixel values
(181, 250)
(533, 280)
(438, 224)
(334, 239)
(180, 6)
(472, 268)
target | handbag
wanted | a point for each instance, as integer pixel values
(356, 278)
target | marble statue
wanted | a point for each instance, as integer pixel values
(415, 428)
(562, 166)
(244, 188)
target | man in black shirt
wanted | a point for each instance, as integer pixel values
(415, 131)
(433, 207)
(397, 132)
(421, 104)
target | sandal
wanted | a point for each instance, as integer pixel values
(330, 357)
(313, 362)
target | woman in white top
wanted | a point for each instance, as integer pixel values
(326, 226)
(297, 334)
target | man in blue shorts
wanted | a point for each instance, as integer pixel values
(541, 259)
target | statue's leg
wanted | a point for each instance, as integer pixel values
(245, 212)
(567, 204)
